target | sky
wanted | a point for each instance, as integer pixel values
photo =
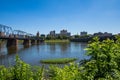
(73, 15)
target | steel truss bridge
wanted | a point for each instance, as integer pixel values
(6, 31)
(12, 36)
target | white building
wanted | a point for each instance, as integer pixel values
(65, 33)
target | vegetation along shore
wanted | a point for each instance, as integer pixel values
(58, 60)
(56, 40)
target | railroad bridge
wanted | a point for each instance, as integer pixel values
(12, 36)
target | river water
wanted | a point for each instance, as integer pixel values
(33, 54)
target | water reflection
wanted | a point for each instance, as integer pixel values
(0, 46)
(34, 53)
(52, 47)
(38, 49)
(64, 47)
(83, 45)
(26, 46)
(2, 49)
(12, 50)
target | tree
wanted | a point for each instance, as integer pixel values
(104, 62)
(77, 36)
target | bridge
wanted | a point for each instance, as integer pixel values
(12, 36)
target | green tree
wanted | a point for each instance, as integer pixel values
(103, 64)
(77, 36)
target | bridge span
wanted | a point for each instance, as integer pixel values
(12, 36)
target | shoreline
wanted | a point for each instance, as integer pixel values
(47, 41)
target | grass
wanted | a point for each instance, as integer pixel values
(58, 60)
(56, 40)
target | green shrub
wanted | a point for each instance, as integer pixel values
(58, 60)
(5, 73)
(104, 61)
(70, 72)
(21, 71)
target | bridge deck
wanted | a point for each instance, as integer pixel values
(29, 38)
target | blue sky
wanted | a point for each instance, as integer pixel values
(74, 15)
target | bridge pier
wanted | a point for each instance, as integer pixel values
(32, 42)
(26, 42)
(12, 42)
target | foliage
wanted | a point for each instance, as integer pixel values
(5, 73)
(85, 36)
(70, 72)
(20, 71)
(58, 60)
(104, 61)
(77, 36)
(57, 40)
(60, 37)
(50, 37)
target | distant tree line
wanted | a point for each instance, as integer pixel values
(60, 37)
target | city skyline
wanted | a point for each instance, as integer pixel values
(73, 15)
(9, 30)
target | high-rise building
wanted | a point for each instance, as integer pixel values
(38, 34)
(52, 33)
(65, 33)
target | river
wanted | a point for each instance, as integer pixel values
(33, 54)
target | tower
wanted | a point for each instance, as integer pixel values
(38, 34)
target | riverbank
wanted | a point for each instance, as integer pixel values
(57, 41)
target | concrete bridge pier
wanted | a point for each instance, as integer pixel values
(12, 42)
(26, 42)
(32, 42)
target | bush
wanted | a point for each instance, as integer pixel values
(104, 61)
(66, 73)
(21, 71)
